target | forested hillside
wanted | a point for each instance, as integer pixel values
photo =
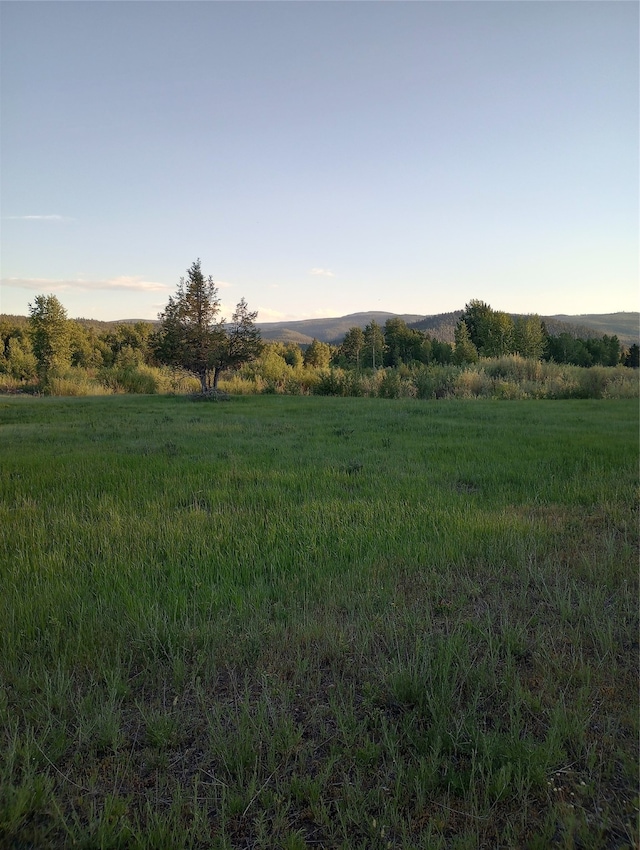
(626, 326)
(486, 353)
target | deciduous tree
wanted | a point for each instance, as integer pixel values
(317, 354)
(498, 335)
(529, 337)
(403, 344)
(18, 359)
(373, 351)
(50, 335)
(293, 355)
(476, 316)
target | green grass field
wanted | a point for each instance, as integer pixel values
(282, 622)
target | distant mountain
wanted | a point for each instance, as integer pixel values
(442, 326)
(109, 327)
(325, 330)
(626, 326)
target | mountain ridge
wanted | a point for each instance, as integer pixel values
(624, 324)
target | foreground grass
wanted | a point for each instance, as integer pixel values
(308, 622)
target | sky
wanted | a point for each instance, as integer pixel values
(320, 158)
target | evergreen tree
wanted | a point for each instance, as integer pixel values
(241, 343)
(190, 334)
(632, 358)
(441, 352)
(352, 345)
(465, 351)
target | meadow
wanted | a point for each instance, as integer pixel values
(307, 622)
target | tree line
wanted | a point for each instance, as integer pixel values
(481, 332)
(193, 336)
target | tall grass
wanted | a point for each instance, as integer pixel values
(313, 622)
(509, 377)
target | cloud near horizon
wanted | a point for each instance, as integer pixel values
(38, 218)
(265, 314)
(323, 272)
(136, 284)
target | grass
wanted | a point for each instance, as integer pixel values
(311, 622)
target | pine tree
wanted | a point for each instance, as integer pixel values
(190, 333)
(242, 341)
(194, 336)
(352, 346)
(465, 351)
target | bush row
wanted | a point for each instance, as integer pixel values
(509, 377)
(77, 381)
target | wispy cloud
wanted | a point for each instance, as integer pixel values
(136, 284)
(265, 314)
(323, 272)
(38, 218)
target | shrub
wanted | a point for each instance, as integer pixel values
(512, 367)
(9, 384)
(75, 382)
(355, 384)
(174, 380)
(509, 377)
(563, 384)
(142, 380)
(472, 383)
(508, 390)
(622, 383)
(301, 381)
(392, 385)
(332, 382)
(436, 381)
(293, 386)
(235, 384)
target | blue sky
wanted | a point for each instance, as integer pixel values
(321, 158)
